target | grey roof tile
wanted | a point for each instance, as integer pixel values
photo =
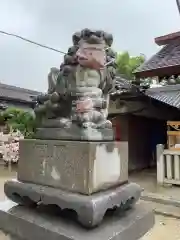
(17, 93)
(168, 94)
(169, 55)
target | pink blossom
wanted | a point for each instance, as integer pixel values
(10, 146)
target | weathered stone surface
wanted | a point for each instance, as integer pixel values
(83, 167)
(39, 224)
(90, 210)
(75, 133)
(78, 92)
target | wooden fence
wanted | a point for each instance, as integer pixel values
(168, 166)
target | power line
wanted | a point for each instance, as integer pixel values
(32, 42)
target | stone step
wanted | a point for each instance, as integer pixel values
(36, 224)
(163, 209)
(158, 198)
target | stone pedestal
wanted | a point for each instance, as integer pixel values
(36, 224)
(86, 177)
(90, 210)
(81, 167)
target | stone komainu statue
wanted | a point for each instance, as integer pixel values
(83, 169)
(78, 92)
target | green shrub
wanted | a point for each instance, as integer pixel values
(19, 119)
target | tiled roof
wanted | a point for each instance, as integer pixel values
(163, 40)
(169, 55)
(17, 93)
(169, 94)
(123, 82)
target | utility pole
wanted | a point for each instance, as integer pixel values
(178, 5)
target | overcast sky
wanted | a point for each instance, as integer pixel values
(134, 25)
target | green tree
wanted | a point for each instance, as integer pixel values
(126, 64)
(21, 120)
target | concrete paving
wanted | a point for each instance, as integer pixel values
(5, 174)
(165, 228)
(163, 209)
(147, 180)
(6, 237)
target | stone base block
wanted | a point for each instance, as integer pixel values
(90, 210)
(42, 223)
(75, 133)
(83, 167)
